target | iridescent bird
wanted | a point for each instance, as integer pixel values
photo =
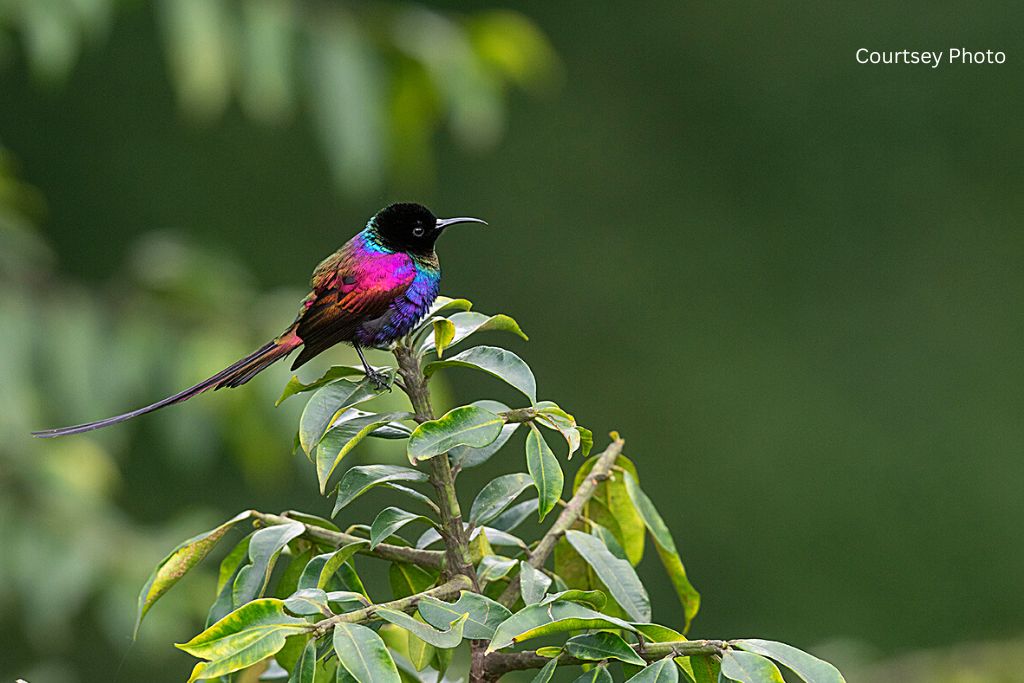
(370, 292)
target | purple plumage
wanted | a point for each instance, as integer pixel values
(411, 282)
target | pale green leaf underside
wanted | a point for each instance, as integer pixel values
(747, 667)
(465, 426)
(806, 666)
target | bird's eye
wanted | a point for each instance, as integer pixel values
(418, 231)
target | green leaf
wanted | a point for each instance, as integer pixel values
(295, 387)
(264, 548)
(324, 407)
(612, 508)
(689, 598)
(288, 581)
(304, 670)
(363, 654)
(231, 562)
(499, 537)
(462, 325)
(496, 495)
(549, 651)
(514, 516)
(654, 522)
(443, 304)
(230, 567)
(746, 667)
(608, 538)
(248, 635)
(311, 520)
(534, 621)
(349, 579)
(388, 521)
(412, 493)
(444, 334)
(594, 647)
(465, 456)
(494, 567)
(320, 569)
(421, 653)
(661, 671)
(448, 638)
(307, 601)
(180, 560)
(495, 361)
(547, 672)
(479, 544)
(706, 668)
(598, 674)
(345, 435)
(618, 575)
(442, 659)
(586, 440)
(806, 666)
(553, 417)
(545, 470)
(533, 583)
(346, 601)
(484, 614)
(595, 599)
(408, 579)
(358, 480)
(465, 426)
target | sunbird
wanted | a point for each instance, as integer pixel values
(369, 293)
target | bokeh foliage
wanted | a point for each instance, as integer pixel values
(378, 79)
(489, 586)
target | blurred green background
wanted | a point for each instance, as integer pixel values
(791, 281)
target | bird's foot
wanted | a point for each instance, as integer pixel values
(379, 379)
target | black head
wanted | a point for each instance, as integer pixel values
(412, 227)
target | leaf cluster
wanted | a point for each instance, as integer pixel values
(588, 609)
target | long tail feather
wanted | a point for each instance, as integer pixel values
(234, 375)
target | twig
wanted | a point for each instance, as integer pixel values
(458, 558)
(433, 559)
(519, 415)
(569, 515)
(446, 590)
(500, 663)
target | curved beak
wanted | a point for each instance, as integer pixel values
(443, 223)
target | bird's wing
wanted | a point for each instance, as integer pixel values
(348, 291)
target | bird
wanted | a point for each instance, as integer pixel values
(369, 293)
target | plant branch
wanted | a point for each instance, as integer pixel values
(569, 515)
(433, 559)
(519, 415)
(500, 663)
(458, 557)
(446, 590)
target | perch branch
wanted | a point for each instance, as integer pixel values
(458, 557)
(569, 515)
